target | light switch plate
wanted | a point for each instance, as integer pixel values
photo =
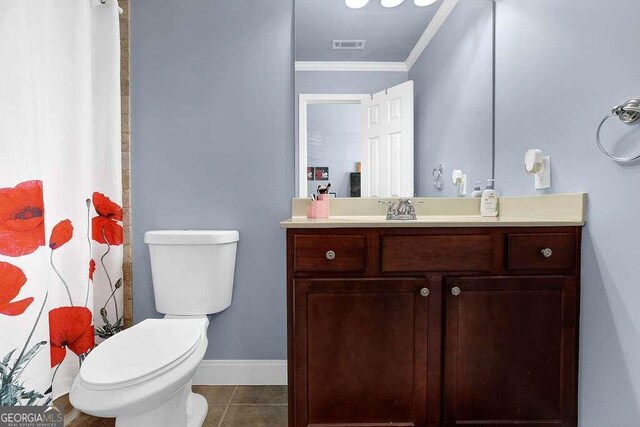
(543, 179)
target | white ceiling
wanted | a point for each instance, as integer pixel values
(390, 33)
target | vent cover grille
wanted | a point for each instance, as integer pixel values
(348, 44)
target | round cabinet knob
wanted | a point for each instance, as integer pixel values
(547, 252)
(455, 291)
(330, 255)
(424, 292)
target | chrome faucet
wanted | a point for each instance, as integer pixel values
(405, 211)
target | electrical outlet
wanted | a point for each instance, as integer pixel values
(543, 179)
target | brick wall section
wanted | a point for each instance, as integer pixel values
(126, 162)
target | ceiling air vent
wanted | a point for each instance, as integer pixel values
(348, 44)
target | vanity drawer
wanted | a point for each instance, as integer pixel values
(437, 253)
(549, 251)
(314, 253)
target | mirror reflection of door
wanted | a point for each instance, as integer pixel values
(387, 143)
(361, 144)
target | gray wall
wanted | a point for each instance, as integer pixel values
(561, 66)
(333, 141)
(453, 98)
(212, 115)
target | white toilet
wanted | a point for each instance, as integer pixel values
(142, 376)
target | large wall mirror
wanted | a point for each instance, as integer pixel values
(394, 97)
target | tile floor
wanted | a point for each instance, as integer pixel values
(229, 406)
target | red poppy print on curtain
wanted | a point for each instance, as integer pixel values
(92, 269)
(70, 327)
(21, 219)
(11, 281)
(105, 226)
(61, 234)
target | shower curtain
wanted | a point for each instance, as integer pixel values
(61, 230)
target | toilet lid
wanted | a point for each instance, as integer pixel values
(141, 352)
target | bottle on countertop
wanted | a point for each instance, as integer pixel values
(477, 191)
(489, 201)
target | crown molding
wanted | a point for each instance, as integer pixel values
(350, 66)
(438, 19)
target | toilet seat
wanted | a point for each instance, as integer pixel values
(141, 352)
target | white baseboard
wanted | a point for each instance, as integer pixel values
(241, 372)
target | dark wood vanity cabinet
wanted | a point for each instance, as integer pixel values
(433, 326)
(355, 335)
(510, 351)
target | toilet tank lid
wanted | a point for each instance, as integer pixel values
(191, 237)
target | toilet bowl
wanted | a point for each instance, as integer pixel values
(141, 371)
(142, 376)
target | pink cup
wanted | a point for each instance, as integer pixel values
(319, 208)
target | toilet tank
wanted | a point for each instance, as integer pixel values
(192, 270)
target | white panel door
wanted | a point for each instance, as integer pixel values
(387, 143)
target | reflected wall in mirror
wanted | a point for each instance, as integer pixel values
(385, 96)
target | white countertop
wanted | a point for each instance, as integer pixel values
(424, 221)
(525, 211)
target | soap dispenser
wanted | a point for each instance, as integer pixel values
(489, 202)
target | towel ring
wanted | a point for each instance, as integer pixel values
(628, 113)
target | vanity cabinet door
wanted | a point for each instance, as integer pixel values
(360, 352)
(510, 351)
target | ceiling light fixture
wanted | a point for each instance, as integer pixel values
(391, 3)
(356, 4)
(424, 2)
